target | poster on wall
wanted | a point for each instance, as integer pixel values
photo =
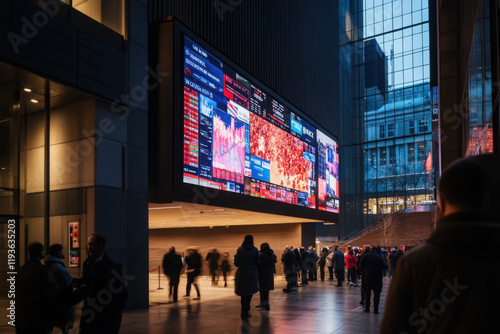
(74, 244)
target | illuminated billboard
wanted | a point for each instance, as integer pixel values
(240, 138)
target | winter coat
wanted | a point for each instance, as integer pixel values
(289, 262)
(63, 311)
(440, 277)
(313, 257)
(246, 277)
(36, 293)
(266, 270)
(372, 266)
(351, 262)
(338, 260)
(172, 264)
(98, 277)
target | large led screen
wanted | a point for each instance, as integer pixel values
(240, 138)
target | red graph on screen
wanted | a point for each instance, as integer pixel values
(228, 148)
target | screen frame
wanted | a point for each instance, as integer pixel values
(186, 192)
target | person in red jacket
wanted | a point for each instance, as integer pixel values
(351, 264)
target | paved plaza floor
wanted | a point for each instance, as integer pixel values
(318, 308)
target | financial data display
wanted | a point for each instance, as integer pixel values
(240, 138)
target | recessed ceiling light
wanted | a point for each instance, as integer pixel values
(34, 101)
(27, 90)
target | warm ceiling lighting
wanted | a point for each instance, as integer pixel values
(27, 90)
(34, 101)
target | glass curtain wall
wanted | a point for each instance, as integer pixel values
(480, 104)
(386, 46)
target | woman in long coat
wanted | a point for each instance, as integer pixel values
(266, 274)
(246, 278)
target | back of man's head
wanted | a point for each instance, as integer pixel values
(463, 185)
(35, 250)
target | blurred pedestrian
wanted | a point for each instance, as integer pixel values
(193, 270)
(267, 269)
(246, 278)
(212, 259)
(172, 267)
(225, 267)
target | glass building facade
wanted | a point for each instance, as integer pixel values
(385, 61)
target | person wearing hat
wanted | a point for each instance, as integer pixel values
(246, 278)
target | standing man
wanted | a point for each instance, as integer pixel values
(193, 269)
(436, 288)
(338, 265)
(35, 295)
(313, 258)
(105, 290)
(372, 266)
(172, 267)
(213, 264)
(288, 260)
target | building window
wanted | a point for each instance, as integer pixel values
(411, 127)
(411, 153)
(381, 129)
(392, 155)
(420, 151)
(373, 157)
(383, 158)
(390, 130)
(423, 126)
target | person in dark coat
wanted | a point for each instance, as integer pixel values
(372, 266)
(193, 270)
(437, 287)
(305, 265)
(313, 259)
(246, 279)
(102, 277)
(288, 260)
(36, 295)
(225, 267)
(322, 263)
(172, 267)
(64, 311)
(266, 270)
(338, 265)
(212, 259)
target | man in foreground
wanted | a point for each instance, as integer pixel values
(441, 287)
